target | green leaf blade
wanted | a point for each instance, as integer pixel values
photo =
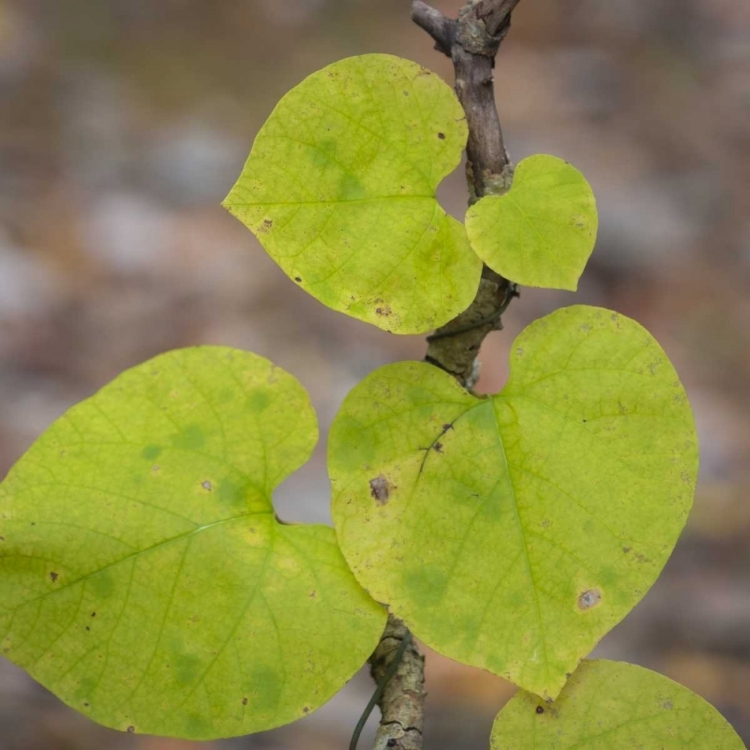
(543, 230)
(513, 532)
(617, 706)
(340, 190)
(144, 577)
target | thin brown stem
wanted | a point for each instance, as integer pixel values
(478, 33)
(439, 27)
(495, 14)
(471, 41)
(402, 700)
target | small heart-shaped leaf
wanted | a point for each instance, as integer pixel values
(512, 532)
(340, 190)
(144, 578)
(616, 706)
(543, 230)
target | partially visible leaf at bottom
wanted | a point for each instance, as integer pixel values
(144, 578)
(608, 705)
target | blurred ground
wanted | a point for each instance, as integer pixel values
(123, 123)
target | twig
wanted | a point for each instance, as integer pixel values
(438, 26)
(493, 317)
(477, 35)
(402, 699)
(380, 689)
(471, 41)
(495, 14)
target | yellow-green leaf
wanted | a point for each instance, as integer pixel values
(615, 706)
(542, 231)
(512, 532)
(340, 190)
(144, 577)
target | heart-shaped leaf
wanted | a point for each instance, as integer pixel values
(616, 706)
(340, 190)
(543, 230)
(144, 578)
(512, 532)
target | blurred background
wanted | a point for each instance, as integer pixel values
(123, 123)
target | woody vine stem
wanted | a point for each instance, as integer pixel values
(472, 42)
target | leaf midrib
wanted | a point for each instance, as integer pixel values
(517, 515)
(332, 201)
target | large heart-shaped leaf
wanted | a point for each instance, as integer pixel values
(543, 230)
(512, 532)
(615, 706)
(144, 578)
(340, 190)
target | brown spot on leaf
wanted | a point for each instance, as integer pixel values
(539, 710)
(626, 549)
(447, 426)
(305, 709)
(131, 729)
(267, 224)
(313, 594)
(668, 705)
(244, 701)
(53, 576)
(380, 489)
(589, 599)
(438, 447)
(384, 311)
(441, 136)
(206, 485)
(298, 279)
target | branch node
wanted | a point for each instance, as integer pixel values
(473, 36)
(498, 184)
